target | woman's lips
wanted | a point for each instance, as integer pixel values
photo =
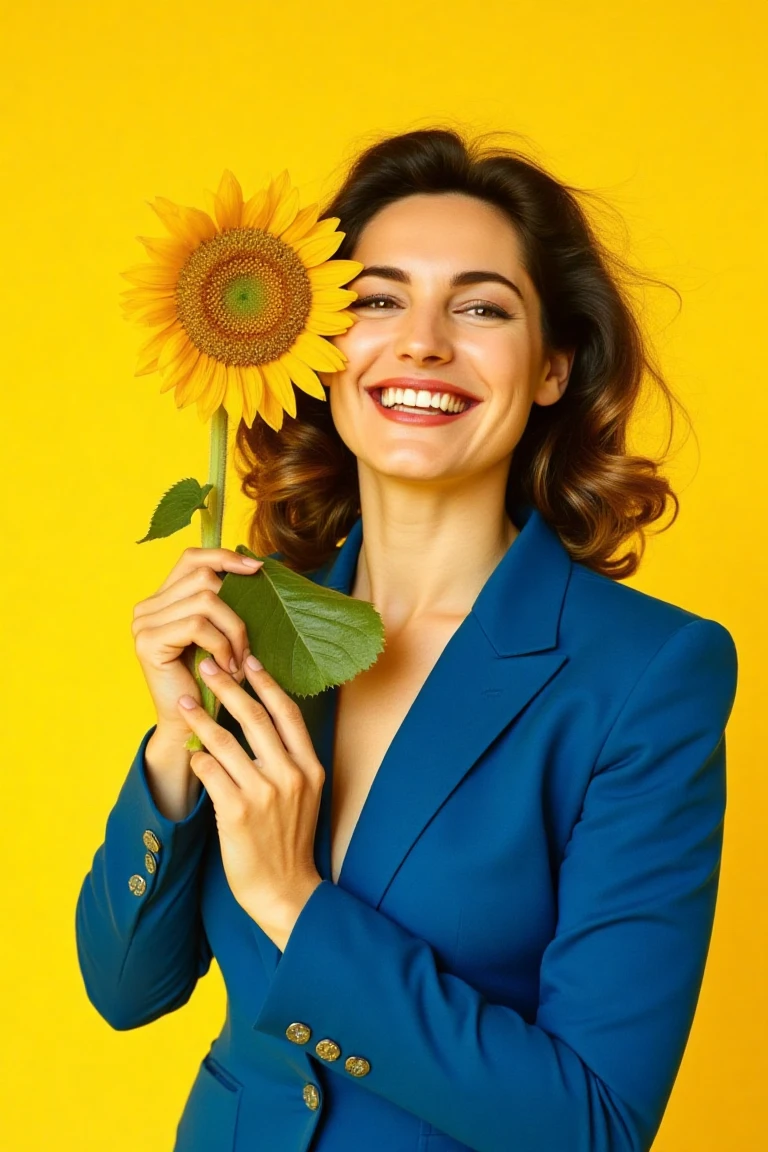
(427, 416)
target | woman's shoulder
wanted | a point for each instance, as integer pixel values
(627, 626)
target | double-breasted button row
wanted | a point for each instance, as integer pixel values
(137, 883)
(327, 1049)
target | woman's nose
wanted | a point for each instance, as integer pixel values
(422, 336)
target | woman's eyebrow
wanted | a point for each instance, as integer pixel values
(473, 276)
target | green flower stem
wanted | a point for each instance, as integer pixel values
(212, 518)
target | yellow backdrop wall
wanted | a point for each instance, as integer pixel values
(659, 106)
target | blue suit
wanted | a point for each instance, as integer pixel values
(513, 954)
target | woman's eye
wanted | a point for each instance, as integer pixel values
(366, 301)
(381, 303)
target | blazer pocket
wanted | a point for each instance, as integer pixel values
(209, 1119)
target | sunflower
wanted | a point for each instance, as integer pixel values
(242, 298)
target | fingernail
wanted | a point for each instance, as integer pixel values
(254, 664)
(233, 666)
(250, 562)
(208, 666)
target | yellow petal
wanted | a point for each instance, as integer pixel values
(302, 375)
(151, 276)
(159, 312)
(332, 299)
(180, 368)
(149, 351)
(175, 348)
(301, 225)
(285, 213)
(318, 353)
(133, 298)
(213, 397)
(233, 394)
(279, 383)
(324, 226)
(271, 411)
(256, 210)
(201, 377)
(334, 272)
(229, 201)
(278, 188)
(169, 252)
(252, 383)
(328, 323)
(190, 225)
(193, 385)
(316, 250)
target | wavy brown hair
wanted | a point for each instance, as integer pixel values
(572, 461)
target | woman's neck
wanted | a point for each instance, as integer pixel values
(428, 557)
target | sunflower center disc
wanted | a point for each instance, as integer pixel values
(244, 296)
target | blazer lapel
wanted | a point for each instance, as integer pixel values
(501, 655)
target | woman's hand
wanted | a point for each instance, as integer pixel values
(266, 812)
(187, 611)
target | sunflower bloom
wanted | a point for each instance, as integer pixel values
(242, 299)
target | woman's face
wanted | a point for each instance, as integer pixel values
(414, 322)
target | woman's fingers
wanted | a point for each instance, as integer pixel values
(215, 559)
(221, 623)
(273, 728)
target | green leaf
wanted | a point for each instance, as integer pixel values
(176, 507)
(307, 636)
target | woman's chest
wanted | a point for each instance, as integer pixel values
(369, 710)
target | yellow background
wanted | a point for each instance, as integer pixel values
(105, 105)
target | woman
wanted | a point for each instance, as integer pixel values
(463, 901)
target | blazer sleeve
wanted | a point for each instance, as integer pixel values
(619, 981)
(141, 955)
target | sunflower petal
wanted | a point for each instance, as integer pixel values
(334, 273)
(193, 385)
(254, 388)
(285, 213)
(180, 368)
(151, 276)
(174, 349)
(324, 226)
(229, 201)
(271, 411)
(233, 394)
(328, 323)
(319, 248)
(278, 189)
(256, 210)
(318, 353)
(132, 298)
(190, 225)
(302, 375)
(169, 252)
(213, 398)
(331, 299)
(279, 383)
(151, 349)
(305, 219)
(157, 312)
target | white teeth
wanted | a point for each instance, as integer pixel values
(446, 401)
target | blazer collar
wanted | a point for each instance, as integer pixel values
(501, 655)
(519, 606)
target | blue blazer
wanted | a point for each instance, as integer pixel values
(513, 953)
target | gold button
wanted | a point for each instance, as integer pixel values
(311, 1096)
(150, 863)
(299, 1033)
(151, 841)
(137, 885)
(327, 1050)
(357, 1066)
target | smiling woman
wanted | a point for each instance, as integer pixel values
(547, 274)
(463, 901)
